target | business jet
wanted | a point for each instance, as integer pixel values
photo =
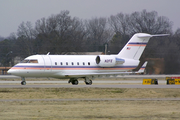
(87, 67)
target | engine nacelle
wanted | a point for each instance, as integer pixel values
(108, 60)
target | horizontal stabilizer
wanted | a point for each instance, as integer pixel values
(149, 36)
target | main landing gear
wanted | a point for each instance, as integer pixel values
(23, 81)
(88, 81)
(74, 81)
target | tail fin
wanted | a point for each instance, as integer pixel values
(136, 45)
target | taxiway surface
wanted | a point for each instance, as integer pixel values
(96, 84)
(90, 86)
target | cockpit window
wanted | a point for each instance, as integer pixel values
(33, 61)
(25, 61)
(29, 61)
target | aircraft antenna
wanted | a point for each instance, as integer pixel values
(48, 53)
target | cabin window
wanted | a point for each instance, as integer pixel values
(66, 63)
(55, 63)
(83, 63)
(88, 63)
(77, 63)
(61, 63)
(72, 63)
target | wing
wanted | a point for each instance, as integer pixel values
(141, 70)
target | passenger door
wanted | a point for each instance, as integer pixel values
(47, 63)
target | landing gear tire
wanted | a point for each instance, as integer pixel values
(89, 82)
(75, 82)
(23, 83)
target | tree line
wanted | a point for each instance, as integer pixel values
(61, 33)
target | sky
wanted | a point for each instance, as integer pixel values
(14, 12)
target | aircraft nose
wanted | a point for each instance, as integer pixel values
(12, 71)
(9, 71)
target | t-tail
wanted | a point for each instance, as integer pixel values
(136, 45)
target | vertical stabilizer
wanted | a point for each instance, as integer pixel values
(136, 45)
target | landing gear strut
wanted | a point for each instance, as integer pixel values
(23, 81)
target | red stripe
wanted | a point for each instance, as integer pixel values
(18, 68)
(135, 45)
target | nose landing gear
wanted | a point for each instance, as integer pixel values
(23, 81)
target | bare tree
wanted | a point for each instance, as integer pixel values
(119, 23)
(77, 35)
(41, 26)
(149, 22)
(59, 33)
(44, 29)
(5, 52)
(125, 25)
(98, 32)
(26, 36)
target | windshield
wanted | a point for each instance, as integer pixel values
(24, 61)
(29, 61)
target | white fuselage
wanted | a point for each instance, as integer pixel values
(67, 66)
